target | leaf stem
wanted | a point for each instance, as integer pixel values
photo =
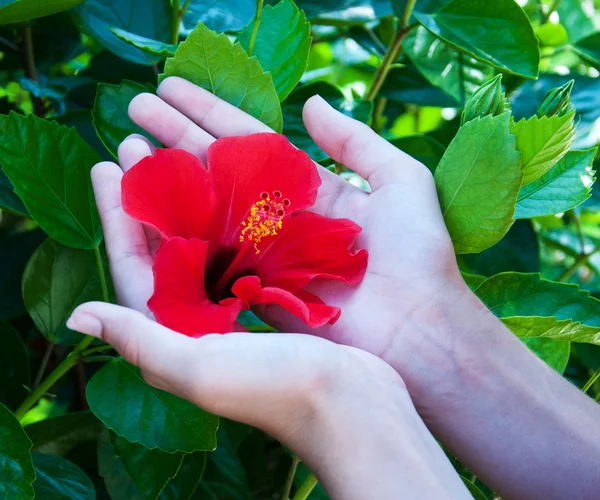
(100, 266)
(581, 260)
(287, 488)
(255, 25)
(94, 350)
(71, 360)
(30, 70)
(306, 488)
(176, 18)
(553, 7)
(393, 52)
(380, 105)
(42, 369)
(591, 381)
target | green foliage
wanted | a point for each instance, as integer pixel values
(281, 45)
(515, 181)
(16, 11)
(56, 280)
(478, 180)
(111, 121)
(17, 473)
(49, 165)
(498, 33)
(118, 391)
(214, 63)
(59, 479)
(542, 142)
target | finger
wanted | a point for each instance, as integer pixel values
(168, 125)
(133, 149)
(216, 116)
(222, 119)
(126, 244)
(356, 145)
(156, 350)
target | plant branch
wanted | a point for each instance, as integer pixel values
(393, 52)
(306, 488)
(553, 7)
(580, 261)
(98, 359)
(42, 369)
(94, 350)
(71, 360)
(176, 18)
(591, 381)
(255, 25)
(30, 70)
(9, 44)
(287, 488)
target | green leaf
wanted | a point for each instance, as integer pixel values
(472, 280)
(14, 367)
(427, 6)
(346, 10)
(60, 435)
(120, 485)
(23, 10)
(60, 479)
(282, 44)
(407, 85)
(148, 45)
(478, 180)
(293, 126)
(111, 120)
(150, 470)
(473, 490)
(16, 473)
(563, 187)
(56, 280)
(455, 73)
(488, 99)
(555, 353)
(498, 33)
(215, 64)
(422, 148)
(8, 199)
(126, 404)
(188, 478)
(534, 307)
(49, 165)
(589, 48)
(542, 142)
(146, 18)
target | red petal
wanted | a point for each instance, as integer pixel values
(180, 301)
(171, 192)
(310, 246)
(308, 307)
(241, 168)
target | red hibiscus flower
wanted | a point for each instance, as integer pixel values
(237, 234)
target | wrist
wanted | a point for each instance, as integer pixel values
(365, 429)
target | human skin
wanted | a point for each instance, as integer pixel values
(517, 424)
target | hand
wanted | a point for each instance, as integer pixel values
(412, 271)
(346, 413)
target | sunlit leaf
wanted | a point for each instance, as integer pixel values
(148, 45)
(18, 11)
(478, 180)
(214, 63)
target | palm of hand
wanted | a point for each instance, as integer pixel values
(411, 258)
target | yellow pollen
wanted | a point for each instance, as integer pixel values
(264, 219)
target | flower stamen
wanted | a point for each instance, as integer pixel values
(264, 219)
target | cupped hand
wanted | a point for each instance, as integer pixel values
(343, 411)
(412, 275)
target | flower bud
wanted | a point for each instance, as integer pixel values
(486, 100)
(557, 101)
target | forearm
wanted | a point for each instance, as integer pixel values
(516, 423)
(368, 442)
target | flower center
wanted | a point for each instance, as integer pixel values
(265, 218)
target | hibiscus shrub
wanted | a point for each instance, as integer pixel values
(500, 99)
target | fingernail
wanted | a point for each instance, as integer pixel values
(85, 323)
